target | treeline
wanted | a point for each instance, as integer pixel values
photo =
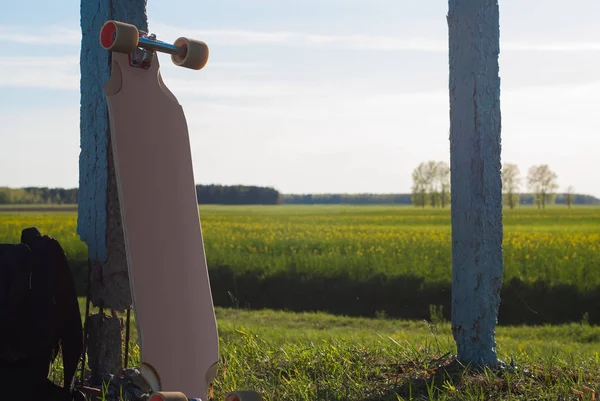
(562, 199)
(406, 199)
(38, 196)
(237, 195)
(207, 194)
(255, 195)
(351, 199)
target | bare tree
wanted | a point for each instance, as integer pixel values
(431, 184)
(431, 179)
(542, 183)
(511, 185)
(443, 180)
(419, 188)
(570, 196)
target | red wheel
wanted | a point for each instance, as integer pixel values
(119, 37)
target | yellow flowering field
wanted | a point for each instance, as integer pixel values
(558, 245)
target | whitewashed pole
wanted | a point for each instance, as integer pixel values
(99, 220)
(476, 200)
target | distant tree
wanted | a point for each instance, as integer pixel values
(431, 184)
(443, 180)
(420, 185)
(570, 196)
(511, 185)
(431, 174)
(4, 196)
(542, 184)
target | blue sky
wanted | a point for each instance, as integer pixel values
(314, 96)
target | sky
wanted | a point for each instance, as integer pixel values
(313, 96)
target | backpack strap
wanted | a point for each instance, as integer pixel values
(69, 330)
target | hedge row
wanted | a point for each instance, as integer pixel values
(405, 297)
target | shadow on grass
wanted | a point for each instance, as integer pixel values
(448, 379)
(405, 297)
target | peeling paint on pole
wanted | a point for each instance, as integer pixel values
(94, 132)
(99, 222)
(475, 158)
(99, 219)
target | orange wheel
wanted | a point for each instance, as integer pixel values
(194, 56)
(168, 396)
(119, 37)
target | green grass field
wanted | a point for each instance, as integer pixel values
(316, 356)
(558, 245)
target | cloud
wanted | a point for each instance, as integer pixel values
(244, 89)
(62, 73)
(324, 140)
(227, 37)
(551, 47)
(39, 146)
(51, 62)
(250, 37)
(354, 41)
(55, 35)
(40, 72)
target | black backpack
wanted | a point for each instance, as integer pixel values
(39, 314)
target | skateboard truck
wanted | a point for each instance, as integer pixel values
(141, 46)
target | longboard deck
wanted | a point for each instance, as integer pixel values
(171, 292)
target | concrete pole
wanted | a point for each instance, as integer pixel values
(475, 164)
(99, 220)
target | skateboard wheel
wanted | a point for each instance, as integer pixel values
(195, 55)
(243, 396)
(119, 37)
(168, 396)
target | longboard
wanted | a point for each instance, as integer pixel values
(172, 300)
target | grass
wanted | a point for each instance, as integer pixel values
(316, 356)
(312, 356)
